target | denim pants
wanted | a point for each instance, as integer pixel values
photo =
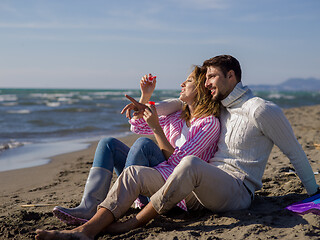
(114, 154)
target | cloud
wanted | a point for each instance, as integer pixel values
(118, 37)
(202, 4)
(130, 16)
(6, 9)
(48, 25)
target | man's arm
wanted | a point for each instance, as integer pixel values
(169, 106)
(164, 107)
(273, 123)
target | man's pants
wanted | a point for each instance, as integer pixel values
(199, 183)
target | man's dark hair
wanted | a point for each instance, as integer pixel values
(225, 63)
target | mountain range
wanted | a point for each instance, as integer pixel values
(292, 84)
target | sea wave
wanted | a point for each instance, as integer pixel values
(11, 144)
(9, 104)
(85, 97)
(115, 93)
(67, 100)
(48, 131)
(104, 105)
(52, 95)
(44, 123)
(280, 95)
(53, 104)
(8, 98)
(76, 109)
(288, 99)
(20, 111)
(72, 131)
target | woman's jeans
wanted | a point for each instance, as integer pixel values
(114, 154)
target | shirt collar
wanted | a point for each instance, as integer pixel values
(237, 95)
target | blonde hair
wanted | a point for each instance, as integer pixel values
(204, 105)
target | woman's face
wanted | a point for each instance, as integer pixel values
(188, 90)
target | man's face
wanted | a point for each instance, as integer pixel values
(217, 83)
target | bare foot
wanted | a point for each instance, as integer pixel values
(121, 227)
(63, 235)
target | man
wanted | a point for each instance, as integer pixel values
(250, 126)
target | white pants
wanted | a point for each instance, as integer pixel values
(198, 182)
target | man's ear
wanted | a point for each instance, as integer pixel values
(232, 76)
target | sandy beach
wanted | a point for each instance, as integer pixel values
(61, 182)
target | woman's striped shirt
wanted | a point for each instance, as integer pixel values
(201, 140)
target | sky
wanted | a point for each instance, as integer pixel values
(102, 44)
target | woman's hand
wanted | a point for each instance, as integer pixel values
(147, 111)
(135, 106)
(147, 87)
(151, 117)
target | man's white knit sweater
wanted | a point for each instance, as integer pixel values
(249, 128)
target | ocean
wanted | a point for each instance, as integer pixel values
(37, 124)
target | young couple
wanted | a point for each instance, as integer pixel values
(197, 177)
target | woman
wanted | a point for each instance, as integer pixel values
(111, 154)
(193, 131)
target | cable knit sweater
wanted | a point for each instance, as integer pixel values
(249, 128)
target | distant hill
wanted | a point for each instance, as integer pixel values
(293, 84)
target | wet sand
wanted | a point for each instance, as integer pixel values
(61, 182)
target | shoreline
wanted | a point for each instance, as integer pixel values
(40, 153)
(37, 154)
(56, 162)
(61, 182)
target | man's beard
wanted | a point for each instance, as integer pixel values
(218, 97)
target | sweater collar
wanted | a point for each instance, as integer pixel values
(238, 95)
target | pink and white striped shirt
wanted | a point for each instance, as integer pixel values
(201, 140)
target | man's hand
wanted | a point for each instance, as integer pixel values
(137, 107)
(317, 192)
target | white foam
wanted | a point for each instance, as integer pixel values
(280, 95)
(113, 93)
(11, 144)
(53, 104)
(8, 97)
(85, 98)
(64, 99)
(9, 104)
(21, 111)
(52, 95)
